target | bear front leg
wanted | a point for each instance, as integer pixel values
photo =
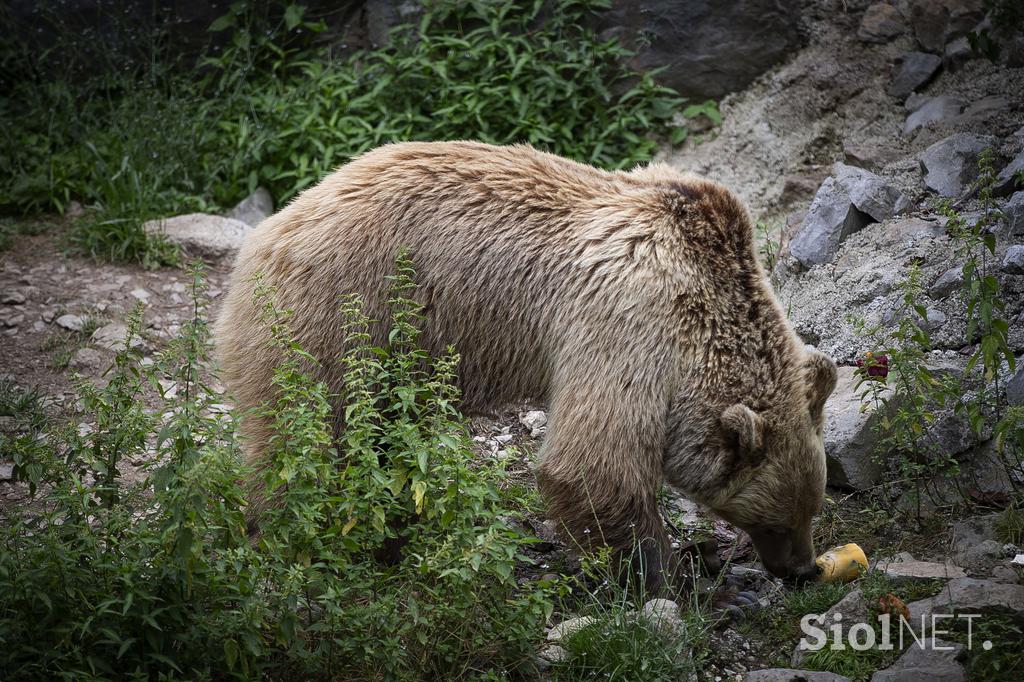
(591, 516)
(601, 468)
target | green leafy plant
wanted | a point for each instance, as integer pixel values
(907, 395)
(274, 109)
(619, 642)
(134, 558)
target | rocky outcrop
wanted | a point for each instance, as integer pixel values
(704, 48)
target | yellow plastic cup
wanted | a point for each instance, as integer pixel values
(842, 564)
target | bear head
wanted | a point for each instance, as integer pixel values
(766, 469)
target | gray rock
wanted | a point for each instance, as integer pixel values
(853, 608)
(915, 101)
(929, 20)
(201, 234)
(934, 319)
(983, 555)
(911, 571)
(13, 298)
(1013, 260)
(791, 675)
(915, 69)
(870, 193)
(6, 471)
(951, 433)
(935, 661)
(553, 654)
(111, 336)
(706, 48)
(1007, 181)
(254, 209)
(845, 203)
(867, 155)
(831, 219)
(881, 23)
(86, 358)
(964, 16)
(71, 322)
(1013, 213)
(982, 109)
(12, 321)
(536, 421)
(74, 210)
(970, 532)
(1005, 574)
(957, 53)
(948, 282)
(850, 436)
(951, 165)
(1015, 386)
(970, 595)
(568, 628)
(934, 110)
(664, 615)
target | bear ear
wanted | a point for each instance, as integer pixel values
(821, 378)
(743, 429)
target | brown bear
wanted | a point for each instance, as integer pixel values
(632, 302)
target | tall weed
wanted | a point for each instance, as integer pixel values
(134, 560)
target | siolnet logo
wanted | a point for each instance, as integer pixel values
(861, 636)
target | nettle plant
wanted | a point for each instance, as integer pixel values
(134, 560)
(910, 397)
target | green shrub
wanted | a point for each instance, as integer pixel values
(134, 560)
(619, 643)
(271, 110)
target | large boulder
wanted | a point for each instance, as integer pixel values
(706, 48)
(201, 235)
(850, 435)
(846, 202)
(970, 595)
(934, 660)
(951, 165)
(919, 571)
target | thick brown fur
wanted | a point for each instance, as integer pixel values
(632, 302)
